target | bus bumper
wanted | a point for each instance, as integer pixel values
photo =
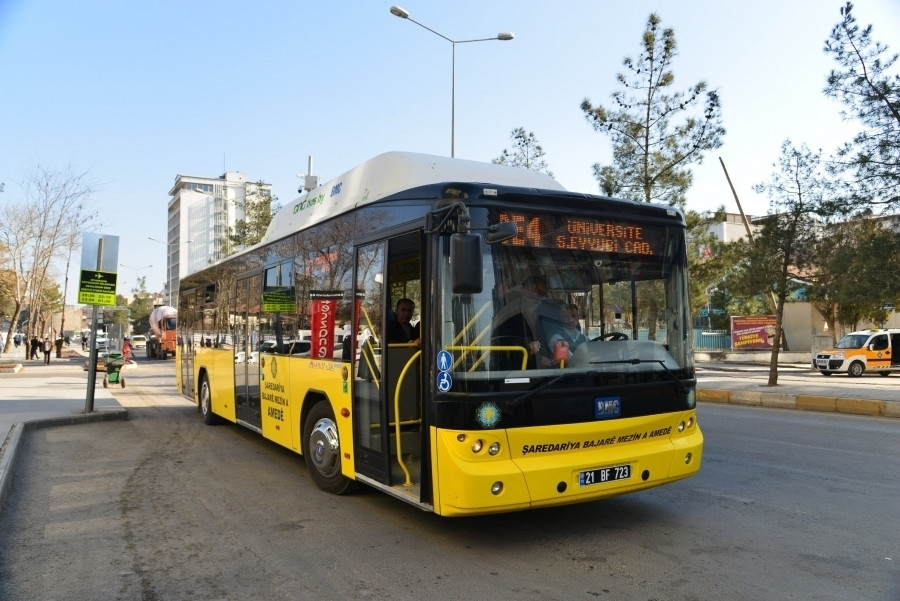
(560, 465)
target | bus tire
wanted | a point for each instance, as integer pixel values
(322, 450)
(856, 369)
(204, 403)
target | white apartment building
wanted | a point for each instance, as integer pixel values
(202, 211)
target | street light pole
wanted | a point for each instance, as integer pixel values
(504, 36)
(136, 271)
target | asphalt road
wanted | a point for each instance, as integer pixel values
(787, 505)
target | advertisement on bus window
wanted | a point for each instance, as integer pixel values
(752, 332)
(324, 307)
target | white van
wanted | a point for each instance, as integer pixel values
(857, 352)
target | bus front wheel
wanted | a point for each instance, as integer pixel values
(323, 450)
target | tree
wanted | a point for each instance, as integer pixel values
(709, 260)
(871, 94)
(527, 153)
(258, 207)
(140, 308)
(36, 232)
(849, 248)
(652, 154)
(783, 250)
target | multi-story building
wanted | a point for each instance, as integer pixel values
(202, 212)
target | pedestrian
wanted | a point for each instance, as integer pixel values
(35, 347)
(83, 341)
(68, 340)
(48, 346)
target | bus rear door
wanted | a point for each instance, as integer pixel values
(246, 357)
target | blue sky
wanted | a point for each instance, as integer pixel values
(138, 92)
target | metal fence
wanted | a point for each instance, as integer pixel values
(704, 340)
(712, 340)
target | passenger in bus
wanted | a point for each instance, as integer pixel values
(401, 330)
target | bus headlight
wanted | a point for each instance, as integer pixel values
(494, 448)
(477, 446)
(496, 488)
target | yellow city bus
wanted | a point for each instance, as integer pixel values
(554, 364)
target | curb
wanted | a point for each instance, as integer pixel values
(9, 452)
(801, 402)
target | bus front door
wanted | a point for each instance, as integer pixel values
(386, 385)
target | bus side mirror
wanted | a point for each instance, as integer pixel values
(501, 231)
(465, 264)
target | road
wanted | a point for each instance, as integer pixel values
(787, 505)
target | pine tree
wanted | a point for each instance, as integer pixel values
(652, 152)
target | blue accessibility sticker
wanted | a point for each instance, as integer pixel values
(444, 361)
(444, 382)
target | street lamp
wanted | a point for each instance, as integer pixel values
(136, 271)
(504, 36)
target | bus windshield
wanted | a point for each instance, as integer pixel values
(590, 297)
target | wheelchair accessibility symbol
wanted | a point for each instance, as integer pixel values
(444, 382)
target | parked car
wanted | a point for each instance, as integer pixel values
(138, 342)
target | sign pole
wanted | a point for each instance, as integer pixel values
(92, 362)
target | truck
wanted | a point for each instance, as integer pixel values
(876, 350)
(161, 339)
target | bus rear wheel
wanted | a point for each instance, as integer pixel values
(322, 450)
(204, 403)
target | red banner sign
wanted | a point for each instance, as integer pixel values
(753, 332)
(324, 308)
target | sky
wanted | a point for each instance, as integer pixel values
(135, 93)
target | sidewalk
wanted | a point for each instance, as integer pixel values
(799, 387)
(39, 396)
(39, 391)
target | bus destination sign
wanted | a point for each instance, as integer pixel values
(575, 233)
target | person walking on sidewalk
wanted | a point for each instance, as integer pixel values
(48, 346)
(35, 347)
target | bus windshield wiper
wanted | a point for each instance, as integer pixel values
(678, 383)
(546, 383)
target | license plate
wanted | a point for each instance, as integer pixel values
(822, 362)
(603, 475)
